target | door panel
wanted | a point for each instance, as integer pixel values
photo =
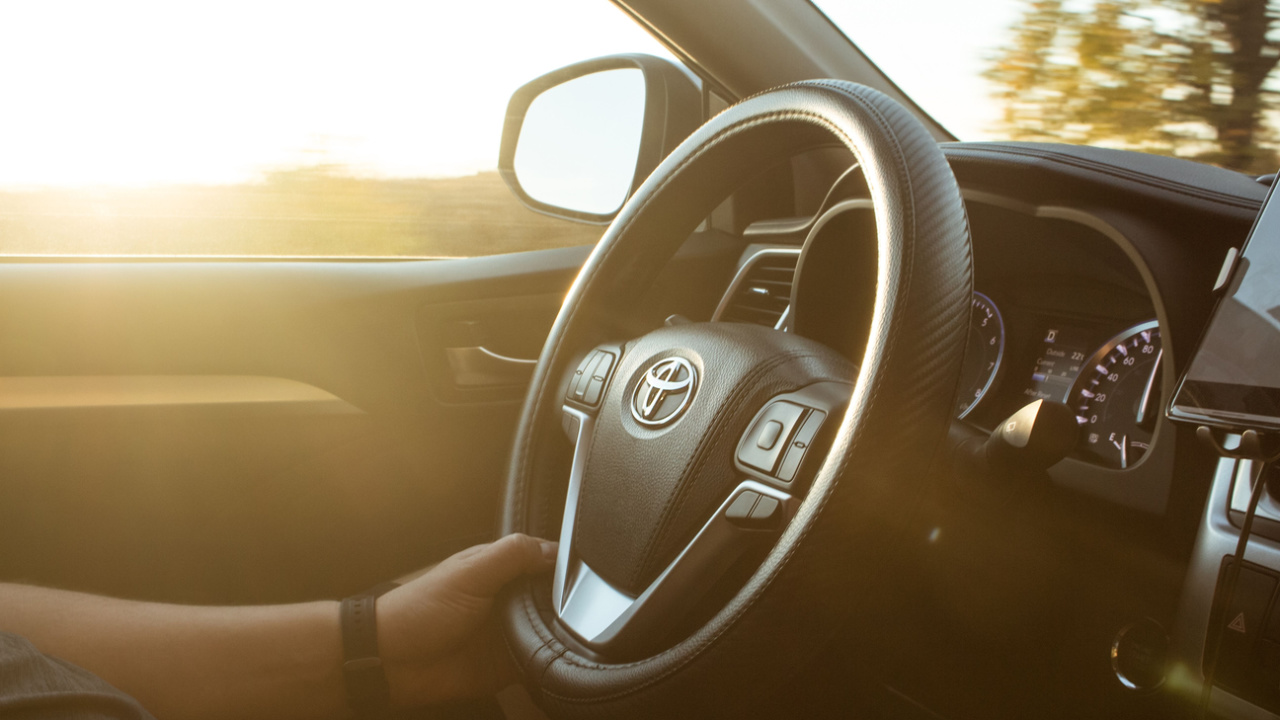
(248, 432)
(223, 432)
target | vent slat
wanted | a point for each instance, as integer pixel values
(764, 291)
(772, 284)
(762, 299)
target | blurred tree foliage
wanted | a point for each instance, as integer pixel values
(1177, 77)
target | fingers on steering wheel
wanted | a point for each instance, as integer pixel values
(489, 567)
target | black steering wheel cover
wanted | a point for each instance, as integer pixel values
(847, 531)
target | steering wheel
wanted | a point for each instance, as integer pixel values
(731, 493)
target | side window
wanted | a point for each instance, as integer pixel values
(273, 128)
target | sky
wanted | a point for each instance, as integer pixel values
(139, 92)
(152, 92)
(941, 67)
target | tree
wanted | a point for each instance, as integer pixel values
(1178, 77)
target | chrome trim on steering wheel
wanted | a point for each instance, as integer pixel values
(602, 616)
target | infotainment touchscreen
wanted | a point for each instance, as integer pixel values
(1233, 381)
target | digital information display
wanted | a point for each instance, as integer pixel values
(1233, 380)
(1062, 351)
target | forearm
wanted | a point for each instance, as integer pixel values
(182, 662)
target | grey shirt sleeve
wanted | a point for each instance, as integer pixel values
(35, 686)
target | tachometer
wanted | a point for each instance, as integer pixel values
(1117, 397)
(982, 355)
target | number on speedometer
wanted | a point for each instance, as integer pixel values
(1117, 397)
(982, 355)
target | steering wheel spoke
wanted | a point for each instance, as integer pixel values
(611, 620)
(607, 619)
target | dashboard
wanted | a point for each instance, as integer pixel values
(1060, 312)
(1093, 276)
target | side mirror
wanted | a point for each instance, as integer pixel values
(578, 141)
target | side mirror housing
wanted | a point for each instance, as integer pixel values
(578, 141)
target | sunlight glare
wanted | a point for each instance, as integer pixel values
(145, 92)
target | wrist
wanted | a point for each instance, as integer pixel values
(326, 668)
(364, 673)
(398, 660)
(284, 661)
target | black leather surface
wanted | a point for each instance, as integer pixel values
(646, 491)
(844, 535)
(1156, 177)
(1179, 215)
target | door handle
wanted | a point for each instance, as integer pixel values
(478, 366)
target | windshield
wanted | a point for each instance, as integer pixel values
(1190, 78)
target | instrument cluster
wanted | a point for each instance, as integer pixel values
(1059, 313)
(1108, 376)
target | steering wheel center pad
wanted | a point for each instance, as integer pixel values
(646, 491)
(842, 537)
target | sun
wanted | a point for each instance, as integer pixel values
(145, 92)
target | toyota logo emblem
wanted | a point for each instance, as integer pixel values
(664, 391)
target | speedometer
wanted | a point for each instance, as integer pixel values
(1117, 397)
(982, 354)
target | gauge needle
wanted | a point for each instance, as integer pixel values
(1123, 445)
(1146, 394)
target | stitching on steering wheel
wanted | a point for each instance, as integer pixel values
(749, 603)
(903, 284)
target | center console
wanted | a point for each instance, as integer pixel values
(1244, 631)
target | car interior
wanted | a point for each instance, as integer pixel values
(842, 417)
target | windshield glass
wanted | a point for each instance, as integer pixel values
(1191, 78)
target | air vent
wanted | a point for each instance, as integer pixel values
(761, 293)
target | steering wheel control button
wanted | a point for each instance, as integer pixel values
(595, 388)
(599, 376)
(753, 511)
(664, 392)
(578, 385)
(754, 451)
(800, 445)
(769, 435)
(740, 509)
(587, 384)
(765, 513)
